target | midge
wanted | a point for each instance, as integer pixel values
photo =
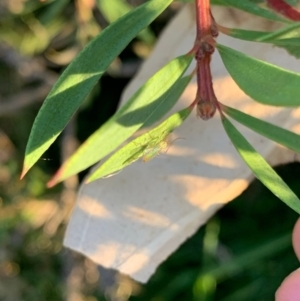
(161, 147)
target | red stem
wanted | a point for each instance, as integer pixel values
(205, 80)
(203, 18)
(203, 49)
(284, 9)
(206, 106)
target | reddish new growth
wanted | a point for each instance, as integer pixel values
(203, 49)
(285, 9)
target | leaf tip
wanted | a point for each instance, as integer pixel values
(91, 178)
(24, 172)
(51, 183)
(88, 180)
(55, 179)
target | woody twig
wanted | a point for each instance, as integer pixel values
(203, 49)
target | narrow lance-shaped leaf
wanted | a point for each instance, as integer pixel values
(271, 131)
(286, 33)
(154, 99)
(115, 9)
(261, 169)
(147, 145)
(289, 46)
(252, 8)
(264, 82)
(288, 43)
(287, 37)
(81, 76)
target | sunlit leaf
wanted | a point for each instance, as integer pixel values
(154, 99)
(81, 76)
(269, 130)
(147, 145)
(264, 82)
(261, 169)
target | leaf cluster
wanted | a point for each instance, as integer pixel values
(263, 82)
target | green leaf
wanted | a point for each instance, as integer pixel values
(261, 169)
(292, 2)
(252, 8)
(81, 76)
(286, 34)
(147, 146)
(242, 34)
(287, 43)
(115, 9)
(154, 99)
(287, 37)
(265, 83)
(292, 50)
(271, 131)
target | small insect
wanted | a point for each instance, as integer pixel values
(153, 151)
(136, 155)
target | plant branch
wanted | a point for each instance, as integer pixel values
(203, 49)
(203, 18)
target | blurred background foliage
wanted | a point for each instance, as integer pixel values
(242, 253)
